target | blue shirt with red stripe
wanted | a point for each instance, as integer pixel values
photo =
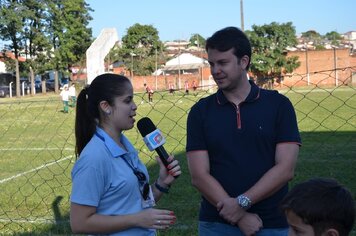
(241, 143)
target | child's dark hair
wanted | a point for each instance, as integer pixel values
(322, 203)
(105, 87)
(230, 37)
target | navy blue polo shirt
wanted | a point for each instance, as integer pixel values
(241, 143)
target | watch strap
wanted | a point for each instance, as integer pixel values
(161, 189)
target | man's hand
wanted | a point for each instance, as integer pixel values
(230, 210)
(250, 224)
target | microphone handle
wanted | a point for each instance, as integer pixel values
(163, 155)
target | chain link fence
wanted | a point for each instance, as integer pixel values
(37, 150)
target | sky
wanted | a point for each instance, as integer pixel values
(177, 20)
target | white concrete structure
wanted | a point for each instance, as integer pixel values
(98, 50)
(2, 67)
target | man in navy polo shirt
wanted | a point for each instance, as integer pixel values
(242, 146)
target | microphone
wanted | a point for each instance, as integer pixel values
(153, 138)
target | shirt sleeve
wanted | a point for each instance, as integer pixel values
(87, 184)
(195, 130)
(287, 123)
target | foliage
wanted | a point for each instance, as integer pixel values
(11, 24)
(269, 55)
(334, 37)
(67, 29)
(197, 40)
(141, 44)
(52, 34)
(37, 44)
(311, 34)
(114, 55)
(312, 37)
(11, 29)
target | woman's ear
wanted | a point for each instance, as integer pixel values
(105, 107)
(331, 232)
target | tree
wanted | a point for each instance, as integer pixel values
(313, 37)
(11, 29)
(197, 40)
(269, 55)
(53, 33)
(70, 37)
(115, 55)
(334, 37)
(37, 44)
(141, 44)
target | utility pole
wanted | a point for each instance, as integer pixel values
(156, 67)
(307, 62)
(335, 67)
(242, 15)
(202, 62)
(132, 65)
(179, 65)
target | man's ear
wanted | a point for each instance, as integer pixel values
(244, 61)
(331, 232)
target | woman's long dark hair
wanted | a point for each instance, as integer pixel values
(104, 87)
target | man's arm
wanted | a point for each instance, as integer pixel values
(208, 186)
(282, 172)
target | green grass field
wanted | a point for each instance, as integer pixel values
(37, 154)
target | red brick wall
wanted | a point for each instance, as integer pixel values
(321, 65)
(163, 81)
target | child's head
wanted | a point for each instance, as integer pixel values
(319, 206)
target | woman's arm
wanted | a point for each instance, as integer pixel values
(84, 219)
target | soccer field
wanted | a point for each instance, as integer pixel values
(37, 154)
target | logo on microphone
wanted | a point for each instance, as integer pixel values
(158, 138)
(154, 139)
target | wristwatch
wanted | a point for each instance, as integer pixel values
(243, 201)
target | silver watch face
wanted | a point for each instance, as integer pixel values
(244, 202)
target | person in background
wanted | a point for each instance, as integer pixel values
(242, 146)
(171, 88)
(319, 207)
(149, 91)
(111, 194)
(186, 87)
(194, 85)
(73, 95)
(65, 98)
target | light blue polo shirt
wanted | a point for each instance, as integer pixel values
(102, 179)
